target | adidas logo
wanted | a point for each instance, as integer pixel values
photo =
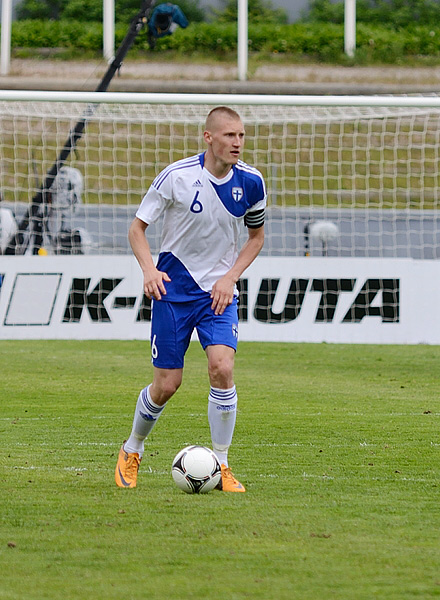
(197, 183)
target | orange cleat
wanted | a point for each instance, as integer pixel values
(127, 469)
(228, 483)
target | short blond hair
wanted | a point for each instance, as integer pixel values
(220, 110)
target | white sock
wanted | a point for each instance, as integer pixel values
(222, 412)
(145, 417)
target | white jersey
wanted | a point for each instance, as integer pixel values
(202, 219)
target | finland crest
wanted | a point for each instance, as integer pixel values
(237, 193)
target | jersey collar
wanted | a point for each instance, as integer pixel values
(211, 176)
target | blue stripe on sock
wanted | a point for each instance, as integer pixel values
(153, 410)
(222, 396)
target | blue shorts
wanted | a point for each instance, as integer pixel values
(173, 323)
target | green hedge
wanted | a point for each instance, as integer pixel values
(394, 13)
(321, 41)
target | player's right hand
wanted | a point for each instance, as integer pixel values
(154, 286)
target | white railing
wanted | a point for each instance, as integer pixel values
(416, 101)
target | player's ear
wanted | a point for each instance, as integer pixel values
(208, 137)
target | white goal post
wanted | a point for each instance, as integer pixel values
(348, 177)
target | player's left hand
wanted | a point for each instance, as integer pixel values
(222, 294)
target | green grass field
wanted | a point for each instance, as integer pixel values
(337, 445)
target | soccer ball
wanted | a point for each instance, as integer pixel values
(196, 470)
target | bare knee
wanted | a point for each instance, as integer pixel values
(221, 370)
(165, 384)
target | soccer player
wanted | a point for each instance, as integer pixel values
(204, 199)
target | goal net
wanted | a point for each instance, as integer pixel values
(343, 181)
(353, 197)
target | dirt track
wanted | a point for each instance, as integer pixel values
(144, 75)
(268, 72)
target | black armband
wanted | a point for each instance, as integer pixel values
(255, 219)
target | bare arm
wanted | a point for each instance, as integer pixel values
(223, 290)
(153, 279)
